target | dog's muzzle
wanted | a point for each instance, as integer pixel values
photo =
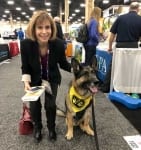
(93, 89)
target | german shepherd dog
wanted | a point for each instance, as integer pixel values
(80, 97)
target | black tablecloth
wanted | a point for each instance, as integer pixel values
(4, 52)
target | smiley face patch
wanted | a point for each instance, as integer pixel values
(77, 102)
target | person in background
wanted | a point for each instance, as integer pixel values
(41, 55)
(59, 28)
(20, 34)
(126, 29)
(126, 32)
(93, 30)
(16, 33)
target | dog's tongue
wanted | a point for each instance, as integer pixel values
(93, 90)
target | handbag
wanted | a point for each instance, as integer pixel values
(25, 123)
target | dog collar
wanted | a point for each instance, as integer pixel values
(77, 101)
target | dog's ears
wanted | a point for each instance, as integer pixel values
(75, 65)
(93, 63)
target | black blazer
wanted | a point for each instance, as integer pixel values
(30, 59)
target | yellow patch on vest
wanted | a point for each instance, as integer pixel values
(78, 102)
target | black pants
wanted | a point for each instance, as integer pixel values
(90, 51)
(50, 107)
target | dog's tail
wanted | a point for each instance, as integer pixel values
(60, 112)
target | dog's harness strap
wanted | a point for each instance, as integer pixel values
(80, 114)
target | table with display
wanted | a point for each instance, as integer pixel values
(8, 50)
(4, 52)
(104, 59)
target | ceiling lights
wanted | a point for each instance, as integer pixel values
(105, 1)
(10, 2)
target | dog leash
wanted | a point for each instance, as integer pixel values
(94, 124)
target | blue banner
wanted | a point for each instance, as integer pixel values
(104, 59)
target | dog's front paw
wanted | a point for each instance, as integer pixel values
(90, 132)
(69, 136)
(87, 129)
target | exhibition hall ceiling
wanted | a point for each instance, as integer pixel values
(21, 10)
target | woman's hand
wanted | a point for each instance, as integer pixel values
(27, 86)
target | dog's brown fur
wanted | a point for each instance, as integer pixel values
(83, 83)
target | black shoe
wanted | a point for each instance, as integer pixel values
(52, 136)
(37, 136)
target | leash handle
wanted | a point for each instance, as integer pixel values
(94, 124)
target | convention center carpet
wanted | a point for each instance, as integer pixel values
(112, 123)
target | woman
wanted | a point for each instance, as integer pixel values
(93, 40)
(40, 55)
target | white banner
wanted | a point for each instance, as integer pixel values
(127, 70)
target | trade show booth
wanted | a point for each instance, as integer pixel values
(125, 74)
(8, 49)
(125, 77)
(4, 52)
